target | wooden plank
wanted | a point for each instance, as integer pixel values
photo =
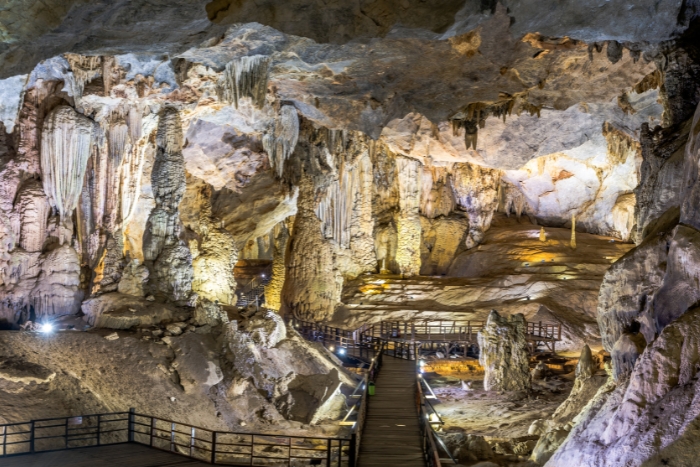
(391, 434)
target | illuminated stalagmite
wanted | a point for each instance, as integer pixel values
(215, 255)
(169, 259)
(408, 226)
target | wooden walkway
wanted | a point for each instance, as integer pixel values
(391, 436)
(118, 455)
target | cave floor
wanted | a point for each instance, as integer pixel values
(493, 415)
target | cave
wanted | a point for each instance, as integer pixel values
(350, 233)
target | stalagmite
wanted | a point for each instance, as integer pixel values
(216, 257)
(169, 260)
(503, 353)
(543, 235)
(273, 289)
(408, 225)
(245, 77)
(65, 148)
(573, 232)
(280, 142)
(33, 210)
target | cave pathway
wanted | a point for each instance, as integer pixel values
(391, 435)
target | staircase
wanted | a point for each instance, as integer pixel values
(255, 289)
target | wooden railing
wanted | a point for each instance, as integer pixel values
(429, 330)
(550, 331)
(405, 339)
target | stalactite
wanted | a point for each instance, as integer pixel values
(135, 122)
(474, 115)
(66, 145)
(335, 206)
(437, 198)
(543, 235)
(511, 199)
(245, 77)
(620, 144)
(281, 141)
(573, 232)
(119, 146)
(84, 68)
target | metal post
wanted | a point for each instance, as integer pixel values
(328, 452)
(132, 424)
(192, 435)
(65, 433)
(172, 437)
(353, 448)
(4, 440)
(213, 447)
(153, 430)
(99, 428)
(31, 438)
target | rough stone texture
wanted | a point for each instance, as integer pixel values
(119, 311)
(503, 353)
(628, 288)
(169, 260)
(287, 372)
(651, 416)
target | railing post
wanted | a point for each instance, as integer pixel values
(31, 438)
(172, 437)
(99, 428)
(213, 447)
(192, 435)
(132, 424)
(353, 448)
(328, 452)
(153, 430)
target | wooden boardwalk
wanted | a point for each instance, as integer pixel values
(391, 436)
(118, 455)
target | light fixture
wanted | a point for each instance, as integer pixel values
(46, 328)
(263, 275)
(331, 348)
(341, 351)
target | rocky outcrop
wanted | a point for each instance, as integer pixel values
(503, 353)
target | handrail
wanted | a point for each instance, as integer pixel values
(192, 441)
(430, 438)
(250, 285)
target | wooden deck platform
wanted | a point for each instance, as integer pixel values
(118, 455)
(391, 436)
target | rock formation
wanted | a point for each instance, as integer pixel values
(544, 162)
(504, 354)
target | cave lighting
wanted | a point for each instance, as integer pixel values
(341, 351)
(46, 328)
